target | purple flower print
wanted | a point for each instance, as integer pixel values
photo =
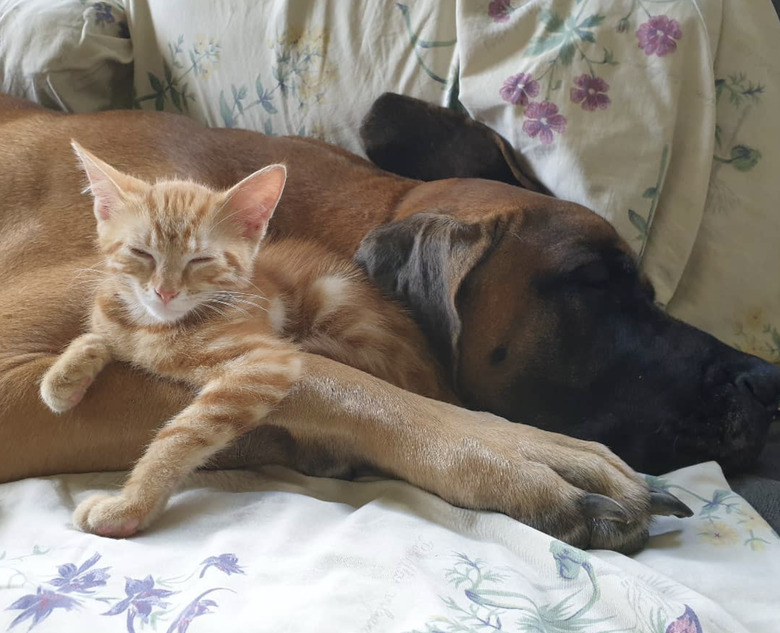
(659, 35)
(519, 89)
(103, 13)
(40, 605)
(591, 93)
(542, 119)
(194, 609)
(142, 597)
(227, 563)
(80, 579)
(688, 622)
(499, 10)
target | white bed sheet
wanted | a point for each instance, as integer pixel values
(278, 551)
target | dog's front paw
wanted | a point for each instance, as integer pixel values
(576, 491)
(596, 500)
(110, 515)
(62, 390)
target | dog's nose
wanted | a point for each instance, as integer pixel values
(762, 381)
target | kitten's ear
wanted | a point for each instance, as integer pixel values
(108, 185)
(252, 202)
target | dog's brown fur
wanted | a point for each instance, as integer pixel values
(338, 419)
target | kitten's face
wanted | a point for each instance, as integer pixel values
(169, 249)
(174, 247)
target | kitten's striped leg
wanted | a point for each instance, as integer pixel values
(225, 409)
(68, 379)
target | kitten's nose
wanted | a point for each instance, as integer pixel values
(166, 295)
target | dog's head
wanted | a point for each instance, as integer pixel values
(538, 309)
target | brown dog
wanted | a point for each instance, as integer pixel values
(573, 343)
(339, 419)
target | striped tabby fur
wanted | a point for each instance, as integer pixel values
(186, 293)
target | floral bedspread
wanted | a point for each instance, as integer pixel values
(278, 551)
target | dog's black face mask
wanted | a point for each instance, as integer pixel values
(597, 359)
(542, 317)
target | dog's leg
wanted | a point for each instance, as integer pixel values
(470, 459)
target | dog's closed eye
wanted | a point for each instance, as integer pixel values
(593, 274)
(498, 355)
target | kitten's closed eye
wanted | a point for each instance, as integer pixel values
(201, 260)
(142, 254)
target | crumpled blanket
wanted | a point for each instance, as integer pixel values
(276, 550)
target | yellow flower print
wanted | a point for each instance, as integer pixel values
(758, 335)
(751, 520)
(719, 534)
(204, 55)
(200, 44)
(756, 544)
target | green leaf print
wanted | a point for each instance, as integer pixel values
(651, 193)
(639, 222)
(167, 72)
(744, 158)
(176, 99)
(155, 83)
(226, 111)
(203, 55)
(739, 89)
(543, 44)
(552, 21)
(741, 157)
(237, 99)
(593, 20)
(568, 37)
(567, 53)
(487, 601)
(418, 43)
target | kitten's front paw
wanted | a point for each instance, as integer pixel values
(62, 391)
(109, 515)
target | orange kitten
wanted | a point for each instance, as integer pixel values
(185, 295)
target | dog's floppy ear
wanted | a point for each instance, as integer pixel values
(422, 261)
(412, 138)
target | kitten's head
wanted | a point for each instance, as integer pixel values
(174, 245)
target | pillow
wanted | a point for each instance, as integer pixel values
(66, 54)
(299, 67)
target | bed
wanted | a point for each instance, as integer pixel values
(659, 115)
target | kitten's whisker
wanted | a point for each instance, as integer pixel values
(220, 312)
(86, 273)
(246, 294)
(249, 281)
(241, 295)
(92, 270)
(227, 303)
(233, 300)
